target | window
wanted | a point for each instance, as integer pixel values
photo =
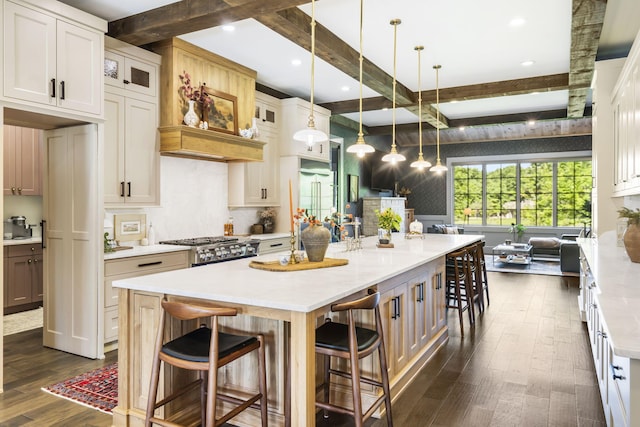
(541, 193)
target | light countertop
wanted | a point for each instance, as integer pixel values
(301, 291)
(617, 292)
(29, 241)
(144, 250)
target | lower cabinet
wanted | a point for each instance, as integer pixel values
(277, 243)
(123, 268)
(413, 314)
(618, 377)
(23, 285)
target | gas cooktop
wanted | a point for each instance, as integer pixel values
(200, 241)
(208, 250)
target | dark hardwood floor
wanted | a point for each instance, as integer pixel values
(527, 363)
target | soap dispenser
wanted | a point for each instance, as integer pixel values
(151, 235)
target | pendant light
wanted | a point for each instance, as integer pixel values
(310, 134)
(439, 167)
(421, 163)
(360, 148)
(394, 156)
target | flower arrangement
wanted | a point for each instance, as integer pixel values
(268, 214)
(200, 95)
(302, 216)
(404, 191)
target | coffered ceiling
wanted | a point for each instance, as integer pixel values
(486, 85)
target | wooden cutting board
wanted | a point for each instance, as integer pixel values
(304, 265)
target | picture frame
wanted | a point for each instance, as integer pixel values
(129, 227)
(353, 190)
(222, 115)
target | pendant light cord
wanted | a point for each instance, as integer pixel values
(313, 58)
(360, 133)
(437, 67)
(395, 23)
(419, 49)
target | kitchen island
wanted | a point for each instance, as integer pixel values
(409, 278)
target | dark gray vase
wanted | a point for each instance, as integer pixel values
(315, 239)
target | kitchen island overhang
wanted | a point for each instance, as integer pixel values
(298, 298)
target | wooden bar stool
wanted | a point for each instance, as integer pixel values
(459, 285)
(483, 270)
(204, 350)
(476, 266)
(349, 341)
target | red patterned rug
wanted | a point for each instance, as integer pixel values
(96, 389)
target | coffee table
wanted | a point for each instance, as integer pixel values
(512, 254)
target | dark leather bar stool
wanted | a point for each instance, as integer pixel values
(351, 342)
(204, 350)
(459, 293)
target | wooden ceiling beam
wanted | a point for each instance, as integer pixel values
(295, 25)
(463, 93)
(586, 26)
(187, 16)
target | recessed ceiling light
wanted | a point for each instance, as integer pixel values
(345, 88)
(527, 63)
(531, 122)
(228, 28)
(296, 62)
(455, 101)
(385, 108)
(517, 22)
(535, 93)
(461, 128)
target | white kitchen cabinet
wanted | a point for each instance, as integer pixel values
(132, 157)
(257, 183)
(124, 69)
(273, 243)
(53, 58)
(22, 170)
(626, 126)
(123, 268)
(295, 113)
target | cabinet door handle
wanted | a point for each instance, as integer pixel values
(148, 264)
(13, 190)
(53, 88)
(126, 82)
(35, 260)
(393, 308)
(614, 376)
(398, 303)
(320, 148)
(129, 189)
(62, 89)
(266, 193)
(20, 190)
(121, 188)
(30, 261)
(275, 245)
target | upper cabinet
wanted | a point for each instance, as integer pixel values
(232, 89)
(22, 175)
(257, 183)
(53, 59)
(131, 153)
(626, 125)
(297, 111)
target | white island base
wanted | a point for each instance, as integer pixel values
(287, 307)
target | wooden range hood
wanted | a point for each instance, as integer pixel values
(219, 74)
(184, 141)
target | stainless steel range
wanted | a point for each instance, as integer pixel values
(209, 250)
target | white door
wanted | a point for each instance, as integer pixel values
(72, 241)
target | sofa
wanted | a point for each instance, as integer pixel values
(445, 229)
(566, 249)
